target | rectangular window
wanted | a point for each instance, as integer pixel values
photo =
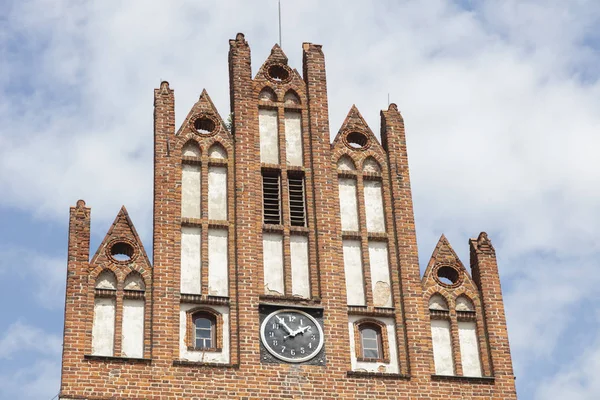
(348, 204)
(269, 138)
(469, 348)
(132, 342)
(296, 192)
(271, 198)
(293, 138)
(273, 263)
(442, 347)
(190, 260)
(355, 291)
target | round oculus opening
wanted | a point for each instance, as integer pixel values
(278, 73)
(204, 125)
(447, 275)
(357, 140)
(121, 251)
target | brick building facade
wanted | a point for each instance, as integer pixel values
(284, 265)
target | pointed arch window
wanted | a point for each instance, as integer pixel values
(468, 337)
(103, 325)
(441, 335)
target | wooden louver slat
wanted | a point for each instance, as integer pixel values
(271, 199)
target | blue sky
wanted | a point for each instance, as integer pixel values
(501, 100)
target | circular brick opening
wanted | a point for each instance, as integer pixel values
(447, 275)
(357, 140)
(278, 73)
(121, 251)
(204, 126)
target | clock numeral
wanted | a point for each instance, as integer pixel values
(274, 342)
(302, 350)
(309, 329)
(282, 349)
(275, 326)
(313, 337)
(293, 352)
(301, 323)
(292, 318)
(310, 345)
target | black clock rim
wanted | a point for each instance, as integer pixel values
(279, 356)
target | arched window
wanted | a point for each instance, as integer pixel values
(190, 149)
(267, 94)
(372, 166)
(106, 280)
(467, 337)
(217, 151)
(103, 328)
(441, 335)
(132, 331)
(134, 281)
(291, 98)
(204, 331)
(370, 340)
(463, 303)
(345, 163)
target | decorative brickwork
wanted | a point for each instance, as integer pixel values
(397, 303)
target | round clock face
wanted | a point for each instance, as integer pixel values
(291, 335)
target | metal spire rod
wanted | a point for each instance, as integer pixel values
(279, 3)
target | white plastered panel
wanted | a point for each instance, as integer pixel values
(442, 347)
(469, 348)
(199, 355)
(103, 330)
(190, 191)
(293, 138)
(374, 206)
(133, 328)
(190, 260)
(355, 292)
(380, 274)
(389, 368)
(217, 262)
(273, 263)
(300, 270)
(217, 193)
(269, 138)
(348, 204)
(217, 151)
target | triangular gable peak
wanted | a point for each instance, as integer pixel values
(203, 120)
(121, 245)
(445, 269)
(275, 72)
(356, 136)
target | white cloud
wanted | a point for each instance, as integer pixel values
(21, 337)
(40, 274)
(40, 380)
(501, 105)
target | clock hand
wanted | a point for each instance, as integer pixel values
(301, 330)
(287, 328)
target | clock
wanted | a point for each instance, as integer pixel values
(291, 335)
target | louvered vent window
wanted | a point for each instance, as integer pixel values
(297, 211)
(271, 198)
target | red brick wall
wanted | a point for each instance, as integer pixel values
(160, 376)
